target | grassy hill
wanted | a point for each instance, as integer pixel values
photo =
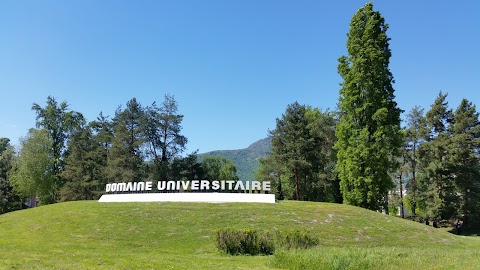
(245, 160)
(92, 235)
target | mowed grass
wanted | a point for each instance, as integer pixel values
(92, 235)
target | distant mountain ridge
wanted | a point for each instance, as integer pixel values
(245, 160)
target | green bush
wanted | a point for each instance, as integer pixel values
(252, 242)
(296, 240)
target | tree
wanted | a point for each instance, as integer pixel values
(465, 160)
(103, 131)
(162, 132)
(219, 168)
(59, 122)
(84, 167)
(302, 155)
(271, 170)
(400, 178)
(322, 126)
(292, 145)
(368, 133)
(415, 134)
(33, 171)
(9, 200)
(436, 184)
(125, 163)
(186, 168)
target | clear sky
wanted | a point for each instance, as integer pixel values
(232, 65)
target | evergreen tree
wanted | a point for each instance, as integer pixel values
(270, 169)
(125, 162)
(465, 160)
(162, 131)
(103, 132)
(292, 145)
(219, 168)
(325, 185)
(186, 168)
(414, 136)
(369, 135)
(436, 184)
(9, 200)
(84, 169)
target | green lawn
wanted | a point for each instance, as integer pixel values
(92, 235)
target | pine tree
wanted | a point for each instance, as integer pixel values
(465, 161)
(9, 199)
(293, 146)
(415, 133)
(162, 131)
(125, 163)
(369, 135)
(437, 187)
(84, 167)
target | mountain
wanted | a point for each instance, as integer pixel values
(246, 160)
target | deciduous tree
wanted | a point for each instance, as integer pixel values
(32, 175)
(369, 135)
(59, 122)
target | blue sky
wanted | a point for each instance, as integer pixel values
(233, 66)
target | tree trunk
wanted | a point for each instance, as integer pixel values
(33, 201)
(296, 184)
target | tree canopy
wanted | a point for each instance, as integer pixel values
(368, 133)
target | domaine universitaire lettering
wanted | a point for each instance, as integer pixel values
(190, 185)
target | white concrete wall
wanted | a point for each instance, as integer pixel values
(190, 197)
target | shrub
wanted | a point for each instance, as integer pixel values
(296, 240)
(252, 242)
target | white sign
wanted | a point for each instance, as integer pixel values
(216, 191)
(190, 185)
(206, 197)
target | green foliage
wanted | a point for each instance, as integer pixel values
(187, 168)
(59, 122)
(245, 160)
(415, 136)
(9, 200)
(253, 242)
(465, 160)
(271, 170)
(302, 150)
(436, 184)
(84, 169)
(247, 241)
(33, 169)
(368, 133)
(296, 239)
(162, 127)
(125, 162)
(219, 168)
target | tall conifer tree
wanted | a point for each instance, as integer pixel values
(465, 160)
(415, 134)
(125, 163)
(436, 184)
(369, 134)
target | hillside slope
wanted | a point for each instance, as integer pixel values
(245, 160)
(92, 235)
